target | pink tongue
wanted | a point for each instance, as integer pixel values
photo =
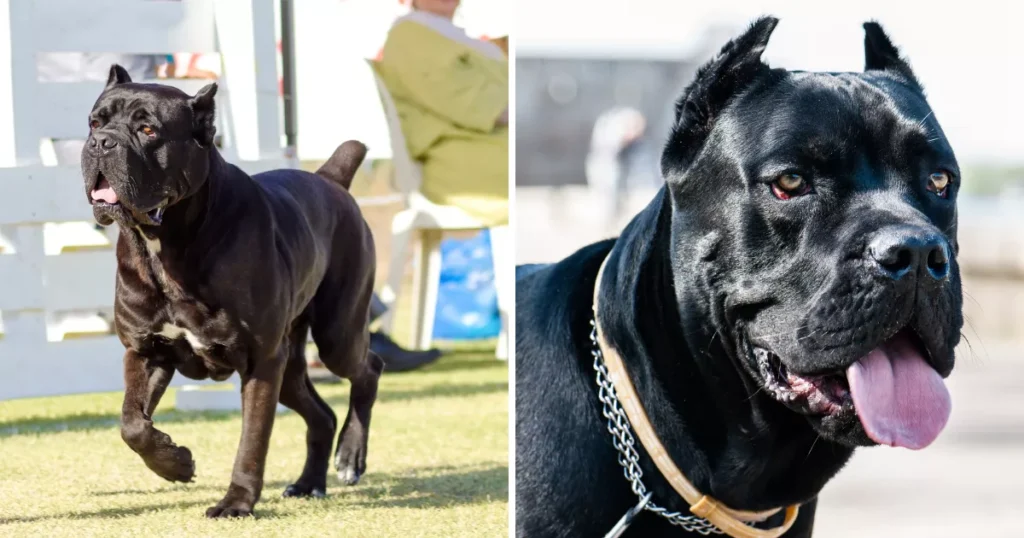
(900, 399)
(103, 193)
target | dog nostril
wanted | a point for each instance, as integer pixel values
(938, 263)
(896, 260)
(108, 143)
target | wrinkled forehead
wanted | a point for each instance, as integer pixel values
(826, 114)
(161, 102)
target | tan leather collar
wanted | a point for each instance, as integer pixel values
(728, 520)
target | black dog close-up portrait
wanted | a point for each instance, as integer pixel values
(791, 293)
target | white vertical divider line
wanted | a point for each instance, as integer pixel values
(510, 257)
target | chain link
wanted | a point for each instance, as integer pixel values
(625, 444)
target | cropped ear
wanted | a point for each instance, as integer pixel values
(728, 74)
(202, 105)
(117, 76)
(881, 55)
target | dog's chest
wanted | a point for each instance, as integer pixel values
(200, 341)
(173, 332)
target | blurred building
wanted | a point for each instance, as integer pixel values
(558, 100)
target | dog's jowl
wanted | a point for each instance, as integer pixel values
(790, 294)
(219, 272)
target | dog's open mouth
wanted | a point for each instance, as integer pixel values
(818, 394)
(900, 399)
(103, 193)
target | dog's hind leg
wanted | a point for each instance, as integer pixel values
(345, 351)
(298, 394)
(145, 382)
(350, 457)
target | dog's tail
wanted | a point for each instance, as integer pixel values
(344, 162)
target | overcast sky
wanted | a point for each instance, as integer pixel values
(969, 55)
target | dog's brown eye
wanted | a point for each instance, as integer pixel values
(938, 183)
(787, 186)
(147, 130)
(94, 124)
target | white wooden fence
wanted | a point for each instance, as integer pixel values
(33, 283)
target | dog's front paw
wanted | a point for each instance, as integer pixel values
(238, 502)
(226, 509)
(173, 463)
(305, 490)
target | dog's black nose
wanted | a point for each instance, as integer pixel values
(101, 140)
(902, 250)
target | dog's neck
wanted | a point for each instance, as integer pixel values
(731, 442)
(183, 237)
(183, 220)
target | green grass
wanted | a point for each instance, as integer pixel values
(437, 465)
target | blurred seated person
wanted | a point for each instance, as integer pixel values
(451, 94)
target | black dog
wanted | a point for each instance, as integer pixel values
(791, 293)
(219, 272)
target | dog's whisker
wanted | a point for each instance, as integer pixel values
(963, 335)
(971, 353)
(817, 437)
(770, 335)
(712, 340)
(976, 303)
(786, 333)
(925, 118)
(808, 335)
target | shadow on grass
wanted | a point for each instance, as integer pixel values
(97, 421)
(459, 361)
(451, 361)
(100, 421)
(118, 513)
(451, 486)
(432, 487)
(441, 390)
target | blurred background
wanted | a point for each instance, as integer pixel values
(593, 107)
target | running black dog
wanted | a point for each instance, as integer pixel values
(791, 293)
(219, 272)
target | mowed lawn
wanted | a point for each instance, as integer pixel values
(437, 465)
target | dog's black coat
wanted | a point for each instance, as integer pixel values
(715, 265)
(219, 272)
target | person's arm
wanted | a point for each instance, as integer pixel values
(446, 79)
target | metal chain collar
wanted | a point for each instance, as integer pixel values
(629, 459)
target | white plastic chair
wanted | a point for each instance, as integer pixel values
(421, 225)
